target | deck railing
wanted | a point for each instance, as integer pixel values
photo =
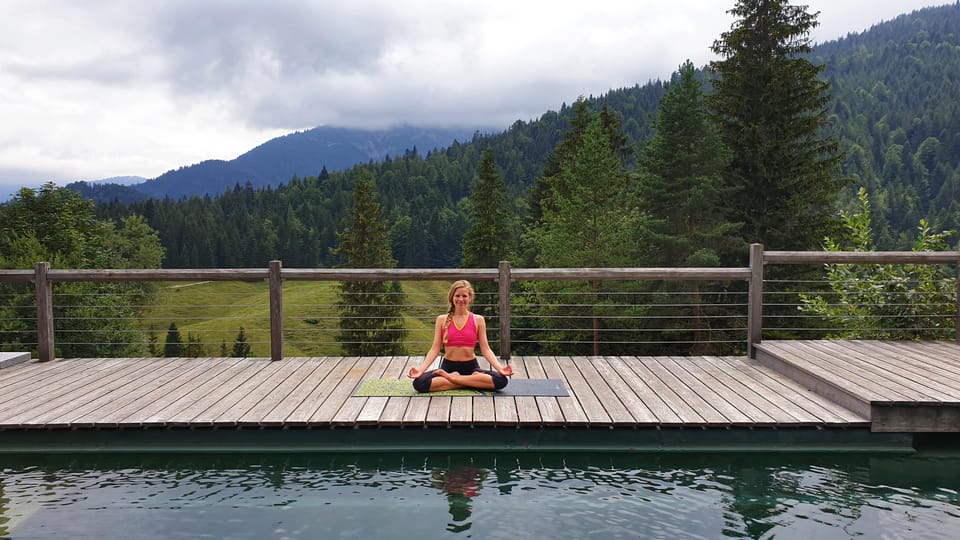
(43, 277)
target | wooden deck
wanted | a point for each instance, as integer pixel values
(812, 385)
(899, 386)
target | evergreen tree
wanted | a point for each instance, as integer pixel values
(593, 220)
(173, 345)
(153, 343)
(371, 322)
(241, 349)
(682, 188)
(772, 112)
(489, 239)
(194, 347)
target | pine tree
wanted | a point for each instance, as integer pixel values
(241, 348)
(683, 188)
(371, 321)
(490, 236)
(772, 112)
(593, 220)
(173, 346)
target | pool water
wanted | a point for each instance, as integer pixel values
(509, 496)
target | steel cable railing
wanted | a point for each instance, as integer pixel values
(621, 311)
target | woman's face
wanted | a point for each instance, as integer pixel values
(461, 297)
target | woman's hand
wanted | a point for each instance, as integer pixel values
(414, 373)
(506, 370)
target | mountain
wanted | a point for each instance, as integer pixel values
(303, 153)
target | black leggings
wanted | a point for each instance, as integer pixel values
(422, 383)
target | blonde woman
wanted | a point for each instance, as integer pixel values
(457, 333)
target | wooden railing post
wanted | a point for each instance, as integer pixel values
(755, 299)
(958, 297)
(504, 281)
(276, 311)
(45, 346)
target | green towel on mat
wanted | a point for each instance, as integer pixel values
(516, 387)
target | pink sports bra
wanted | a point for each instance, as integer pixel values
(464, 336)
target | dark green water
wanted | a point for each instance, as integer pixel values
(511, 496)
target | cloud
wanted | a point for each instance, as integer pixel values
(118, 87)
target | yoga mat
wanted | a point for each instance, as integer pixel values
(516, 387)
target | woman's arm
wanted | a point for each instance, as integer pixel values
(434, 349)
(485, 349)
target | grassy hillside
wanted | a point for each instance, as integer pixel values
(215, 311)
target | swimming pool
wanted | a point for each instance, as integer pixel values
(525, 495)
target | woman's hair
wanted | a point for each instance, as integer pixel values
(459, 284)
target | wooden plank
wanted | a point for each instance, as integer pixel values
(26, 373)
(919, 382)
(639, 413)
(591, 405)
(341, 392)
(484, 411)
(646, 370)
(611, 401)
(726, 389)
(711, 417)
(548, 408)
(709, 395)
(923, 356)
(232, 406)
(780, 410)
(272, 391)
(191, 370)
(98, 411)
(821, 409)
(505, 410)
(573, 414)
(204, 409)
(77, 392)
(60, 378)
(57, 415)
(60, 412)
(304, 411)
(660, 412)
(153, 413)
(396, 407)
(352, 406)
(415, 413)
(527, 410)
(438, 411)
(461, 410)
(850, 367)
(842, 378)
(373, 407)
(309, 377)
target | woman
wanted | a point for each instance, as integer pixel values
(457, 333)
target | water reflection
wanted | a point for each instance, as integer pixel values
(481, 496)
(460, 485)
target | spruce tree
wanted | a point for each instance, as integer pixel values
(772, 111)
(241, 349)
(173, 346)
(371, 321)
(593, 220)
(682, 187)
(490, 236)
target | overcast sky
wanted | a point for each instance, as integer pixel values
(109, 88)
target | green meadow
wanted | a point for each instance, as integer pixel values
(215, 311)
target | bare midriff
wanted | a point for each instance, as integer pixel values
(459, 354)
